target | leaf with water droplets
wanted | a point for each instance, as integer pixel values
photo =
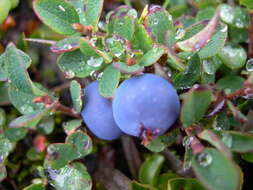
(74, 176)
(109, 81)
(152, 56)
(76, 95)
(75, 64)
(60, 154)
(150, 169)
(238, 141)
(57, 14)
(200, 39)
(230, 83)
(184, 183)
(66, 45)
(71, 126)
(15, 134)
(38, 186)
(5, 148)
(122, 23)
(157, 23)
(195, 104)
(215, 171)
(233, 56)
(191, 74)
(82, 142)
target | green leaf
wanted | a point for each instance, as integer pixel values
(124, 68)
(248, 156)
(237, 141)
(5, 147)
(93, 10)
(191, 74)
(142, 40)
(109, 81)
(57, 14)
(82, 142)
(247, 3)
(200, 39)
(22, 101)
(76, 95)
(60, 154)
(164, 179)
(230, 83)
(184, 183)
(15, 134)
(233, 56)
(195, 104)
(66, 45)
(71, 126)
(33, 155)
(79, 6)
(2, 117)
(46, 125)
(216, 43)
(122, 23)
(158, 22)
(74, 64)
(74, 176)
(97, 56)
(138, 186)
(150, 169)
(38, 186)
(215, 171)
(152, 56)
(30, 120)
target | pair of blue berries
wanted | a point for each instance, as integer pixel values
(146, 104)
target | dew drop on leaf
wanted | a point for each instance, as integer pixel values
(187, 141)
(208, 67)
(227, 139)
(61, 8)
(227, 13)
(204, 159)
(249, 65)
(180, 32)
(133, 13)
(95, 62)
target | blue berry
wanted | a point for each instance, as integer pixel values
(97, 114)
(145, 103)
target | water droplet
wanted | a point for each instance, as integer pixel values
(204, 159)
(26, 108)
(79, 10)
(227, 13)
(67, 46)
(95, 62)
(239, 23)
(133, 13)
(224, 28)
(180, 32)
(155, 21)
(120, 23)
(228, 140)
(187, 165)
(61, 8)
(187, 141)
(208, 67)
(249, 65)
(69, 74)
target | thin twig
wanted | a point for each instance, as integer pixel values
(61, 87)
(41, 41)
(66, 110)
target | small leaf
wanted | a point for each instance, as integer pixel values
(233, 56)
(109, 81)
(152, 56)
(89, 49)
(247, 3)
(5, 147)
(164, 179)
(57, 14)
(46, 125)
(200, 39)
(74, 64)
(74, 176)
(230, 83)
(60, 154)
(214, 170)
(92, 11)
(76, 95)
(248, 156)
(122, 23)
(82, 142)
(150, 169)
(66, 45)
(15, 134)
(158, 22)
(124, 68)
(38, 186)
(184, 183)
(191, 74)
(71, 126)
(195, 104)
(2, 117)
(237, 141)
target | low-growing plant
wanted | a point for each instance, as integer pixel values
(178, 77)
